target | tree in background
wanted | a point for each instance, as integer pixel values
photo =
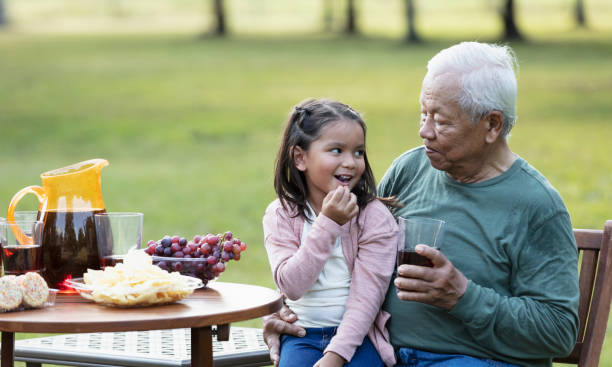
(351, 26)
(219, 14)
(328, 16)
(511, 32)
(579, 13)
(2, 15)
(411, 34)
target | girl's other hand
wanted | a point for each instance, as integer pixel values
(330, 359)
(340, 205)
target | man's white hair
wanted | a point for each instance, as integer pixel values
(487, 79)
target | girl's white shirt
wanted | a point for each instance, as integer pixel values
(323, 305)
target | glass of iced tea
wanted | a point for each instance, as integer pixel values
(19, 258)
(117, 233)
(19, 216)
(419, 230)
(2, 219)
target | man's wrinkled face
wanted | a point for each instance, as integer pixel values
(451, 139)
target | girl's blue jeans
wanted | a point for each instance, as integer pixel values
(408, 357)
(307, 350)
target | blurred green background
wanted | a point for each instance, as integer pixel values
(190, 123)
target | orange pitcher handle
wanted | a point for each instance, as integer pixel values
(10, 213)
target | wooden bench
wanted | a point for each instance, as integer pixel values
(246, 347)
(595, 294)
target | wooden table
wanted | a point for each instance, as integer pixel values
(219, 304)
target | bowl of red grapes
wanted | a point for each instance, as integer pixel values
(204, 257)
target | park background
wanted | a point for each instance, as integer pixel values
(190, 120)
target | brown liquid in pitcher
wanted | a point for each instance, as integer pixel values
(69, 245)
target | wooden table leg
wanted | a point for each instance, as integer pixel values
(8, 349)
(201, 347)
(223, 332)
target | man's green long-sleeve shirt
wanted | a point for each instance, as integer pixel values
(511, 236)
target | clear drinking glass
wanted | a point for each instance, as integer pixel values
(26, 215)
(19, 258)
(117, 233)
(419, 230)
(20, 216)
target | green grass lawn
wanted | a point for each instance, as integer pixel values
(190, 126)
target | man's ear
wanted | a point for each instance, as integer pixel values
(495, 123)
(299, 158)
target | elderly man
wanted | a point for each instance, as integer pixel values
(503, 289)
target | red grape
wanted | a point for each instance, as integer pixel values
(205, 248)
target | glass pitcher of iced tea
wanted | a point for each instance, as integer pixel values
(69, 198)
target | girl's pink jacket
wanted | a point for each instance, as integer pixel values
(369, 248)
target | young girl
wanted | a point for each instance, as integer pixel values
(331, 243)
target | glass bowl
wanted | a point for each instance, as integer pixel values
(136, 296)
(204, 269)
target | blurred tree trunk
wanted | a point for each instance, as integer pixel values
(411, 34)
(579, 13)
(2, 15)
(328, 15)
(351, 26)
(511, 32)
(219, 14)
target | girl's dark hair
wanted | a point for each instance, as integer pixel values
(304, 126)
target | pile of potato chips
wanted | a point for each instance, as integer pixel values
(137, 282)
